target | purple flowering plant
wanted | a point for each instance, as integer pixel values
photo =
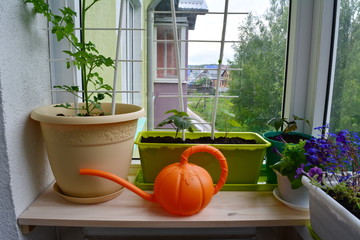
(292, 157)
(333, 165)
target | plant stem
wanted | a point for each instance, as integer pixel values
(83, 66)
(91, 5)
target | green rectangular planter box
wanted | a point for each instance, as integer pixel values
(244, 160)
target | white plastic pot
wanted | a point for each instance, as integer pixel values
(329, 219)
(298, 196)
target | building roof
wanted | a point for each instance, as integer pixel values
(198, 5)
(209, 71)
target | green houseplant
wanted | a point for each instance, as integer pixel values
(279, 138)
(290, 189)
(333, 181)
(244, 156)
(91, 133)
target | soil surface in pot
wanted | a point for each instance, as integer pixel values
(288, 138)
(201, 140)
(345, 203)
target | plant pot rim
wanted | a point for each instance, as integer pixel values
(337, 207)
(270, 134)
(124, 112)
(262, 144)
(276, 133)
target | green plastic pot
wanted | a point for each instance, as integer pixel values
(244, 160)
(272, 157)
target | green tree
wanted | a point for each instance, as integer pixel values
(346, 90)
(203, 81)
(260, 54)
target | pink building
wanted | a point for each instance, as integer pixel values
(166, 76)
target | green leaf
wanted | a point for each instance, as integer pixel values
(101, 96)
(234, 123)
(290, 128)
(57, 18)
(172, 111)
(66, 105)
(181, 120)
(163, 123)
(74, 88)
(107, 87)
(277, 123)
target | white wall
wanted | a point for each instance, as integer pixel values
(24, 85)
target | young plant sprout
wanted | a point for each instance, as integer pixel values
(229, 118)
(289, 126)
(179, 121)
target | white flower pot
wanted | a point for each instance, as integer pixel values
(101, 142)
(329, 219)
(299, 197)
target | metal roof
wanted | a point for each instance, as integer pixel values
(199, 5)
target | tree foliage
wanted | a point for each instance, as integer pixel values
(346, 90)
(260, 54)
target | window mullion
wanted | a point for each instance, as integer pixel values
(308, 61)
(299, 47)
(321, 61)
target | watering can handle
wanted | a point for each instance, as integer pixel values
(209, 149)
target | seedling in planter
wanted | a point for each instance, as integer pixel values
(289, 126)
(179, 121)
(229, 118)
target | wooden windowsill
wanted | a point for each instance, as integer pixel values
(227, 209)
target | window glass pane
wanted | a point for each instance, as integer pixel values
(166, 60)
(253, 71)
(260, 55)
(346, 89)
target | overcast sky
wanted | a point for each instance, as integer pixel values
(209, 27)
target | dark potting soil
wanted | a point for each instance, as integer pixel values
(345, 203)
(288, 138)
(201, 140)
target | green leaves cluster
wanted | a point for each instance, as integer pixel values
(179, 121)
(289, 125)
(341, 192)
(346, 90)
(292, 157)
(84, 56)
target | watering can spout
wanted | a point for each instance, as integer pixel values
(119, 180)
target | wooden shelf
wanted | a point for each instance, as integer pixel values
(227, 209)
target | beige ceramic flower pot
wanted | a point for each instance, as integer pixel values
(100, 142)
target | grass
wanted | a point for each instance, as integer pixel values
(224, 117)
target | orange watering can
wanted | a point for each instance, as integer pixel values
(180, 188)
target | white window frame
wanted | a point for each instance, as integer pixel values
(131, 75)
(310, 62)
